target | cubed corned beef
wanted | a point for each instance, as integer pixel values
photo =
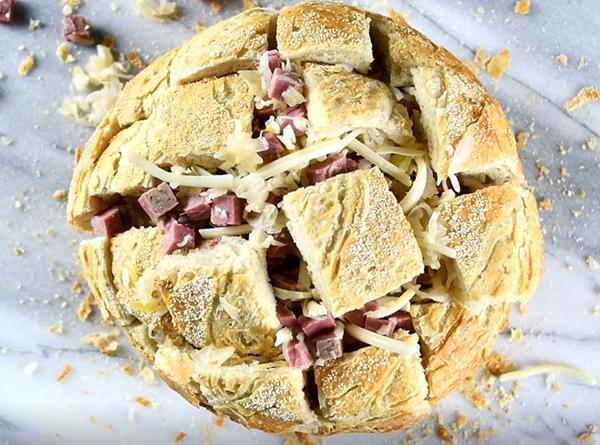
(227, 210)
(330, 167)
(77, 29)
(178, 236)
(7, 8)
(283, 246)
(274, 59)
(380, 326)
(402, 320)
(297, 355)
(285, 279)
(313, 327)
(281, 81)
(286, 316)
(273, 148)
(197, 208)
(158, 201)
(329, 347)
(356, 317)
(107, 223)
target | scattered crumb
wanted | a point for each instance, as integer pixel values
(581, 63)
(522, 7)
(585, 96)
(484, 435)
(105, 343)
(473, 394)
(18, 251)
(147, 375)
(499, 64)
(219, 420)
(59, 195)
(179, 436)
(546, 204)
(127, 369)
(481, 58)
(564, 172)
(207, 434)
(63, 52)
(522, 139)
(66, 371)
(497, 364)
(562, 59)
(444, 434)
(34, 24)
(516, 335)
(589, 435)
(199, 26)
(592, 143)
(144, 402)
(26, 65)
(30, 368)
(595, 310)
(592, 262)
(6, 141)
(85, 307)
(56, 329)
(460, 422)
(73, 4)
(135, 60)
(215, 6)
(523, 308)
(108, 41)
(249, 4)
(76, 288)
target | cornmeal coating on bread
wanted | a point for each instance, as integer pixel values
(340, 100)
(354, 238)
(326, 33)
(373, 390)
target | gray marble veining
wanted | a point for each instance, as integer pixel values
(95, 404)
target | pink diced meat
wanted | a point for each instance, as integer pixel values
(329, 347)
(297, 355)
(356, 317)
(370, 306)
(197, 208)
(313, 327)
(227, 210)
(286, 316)
(284, 245)
(178, 236)
(330, 167)
(273, 148)
(158, 201)
(76, 29)
(285, 279)
(274, 59)
(7, 8)
(380, 325)
(107, 223)
(402, 320)
(292, 117)
(281, 81)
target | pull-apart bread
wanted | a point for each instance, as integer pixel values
(311, 219)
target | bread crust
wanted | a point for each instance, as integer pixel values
(350, 230)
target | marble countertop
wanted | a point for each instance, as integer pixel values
(96, 403)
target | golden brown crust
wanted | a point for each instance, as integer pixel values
(326, 33)
(354, 238)
(454, 342)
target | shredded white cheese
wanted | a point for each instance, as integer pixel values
(175, 179)
(283, 336)
(301, 158)
(229, 309)
(380, 162)
(313, 309)
(390, 304)
(225, 231)
(294, 295)
(241, 151)
(380, 341)
(402, 151)
(293, 97)
(162, 10)
(417, 189)
(549, 368)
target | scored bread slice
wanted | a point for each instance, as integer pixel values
(354, 238)
(326, 33)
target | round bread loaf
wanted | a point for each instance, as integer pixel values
(309, 220)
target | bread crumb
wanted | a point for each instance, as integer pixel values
(564, 172)
(586, 95)
(481, 58)
(484, 435)
(76, 288)
(562, 59)
(85, 307)
(460, 422)
(179, 436)
(56, 329)
(471, 393)
(26, 65)
(522, 139)
(66, 371)
(516, 335)
(18, 250)
(444, 434)
(63, 52)
(143, 401)
(147, 375)
(581, 63)
(73, 4)
(523, 308)
(249, 4)
(199, 26)
(592, 262)
(30, 368)
(219, 420)
(59, 195)
(6, 141)
(135, 60)
(127, 369)
(592, 144)
(546, 204)
(497, 364)
(108, 41)
(499, 64)
(34, 24)
(589, 435)
(105, 343)
(522, 7)
(215, 6)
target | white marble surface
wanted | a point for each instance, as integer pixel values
(559, 327)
